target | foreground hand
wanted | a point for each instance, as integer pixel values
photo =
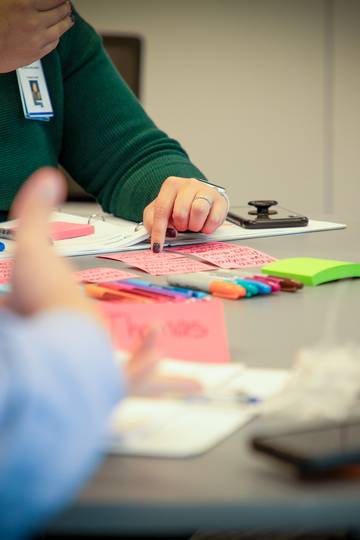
(144, 378)
(185, 204)
(30, 29)
(40, 280)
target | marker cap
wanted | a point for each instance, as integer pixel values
(230, 291)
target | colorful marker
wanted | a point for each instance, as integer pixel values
(238, 276)
(152, 291)
(216, 287)
(275, 287)
(287, 284)
(102, 293)
(188, 293)
(251, 288)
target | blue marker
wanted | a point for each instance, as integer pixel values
(5, 288)
(251, 288)
(187, 293)
(190, 292)
(261, 287)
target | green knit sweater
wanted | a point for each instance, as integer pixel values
(100, 134)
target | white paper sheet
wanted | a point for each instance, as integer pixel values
(116, 234)
(183, 428)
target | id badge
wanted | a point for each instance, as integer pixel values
(34, 92)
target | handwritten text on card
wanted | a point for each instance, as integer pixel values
(102, 274)
(226, 255)
(159, 264)
(192, 331)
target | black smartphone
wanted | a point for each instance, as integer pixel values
(265, 214)
(314, 451)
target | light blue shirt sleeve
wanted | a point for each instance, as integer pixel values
(58, 385)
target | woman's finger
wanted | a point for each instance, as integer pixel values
(200, 209)
(161, 385)
(162, 212)
(182, 207)
(55, 15)
(216, 216)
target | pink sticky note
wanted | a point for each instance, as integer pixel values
(5, 270)
(226, 255)
(159, 264)
(193, 331)
(61, 230)
(102, 274)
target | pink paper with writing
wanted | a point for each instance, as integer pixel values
(102, 274)
(159, 264)
(193, 331)
(5, 270)
(226, 255)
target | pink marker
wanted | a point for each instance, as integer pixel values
(275, 287)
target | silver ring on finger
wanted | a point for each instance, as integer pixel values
(205, 198)
(225, 196)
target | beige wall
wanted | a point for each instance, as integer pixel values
(244, 86)
(347, 107)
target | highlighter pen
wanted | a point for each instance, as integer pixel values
(154, 292)
(240, 275)
(251, 288)
(101, 293)
(5, 288)
(263, 288)
(286, 284)
(200, 295)
(188, 293)
(223, 289)
(275, 287)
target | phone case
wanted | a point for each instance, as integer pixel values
(265, 214)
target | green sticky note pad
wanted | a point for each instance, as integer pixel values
(311, 271)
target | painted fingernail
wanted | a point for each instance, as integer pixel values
(171, 233)
(156, 247)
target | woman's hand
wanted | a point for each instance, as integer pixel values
(31, 29)
(145, 379)
(41, 280)
(184, 204)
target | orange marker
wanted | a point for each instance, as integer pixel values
(230, 291)
(207, 283)
(101, 293)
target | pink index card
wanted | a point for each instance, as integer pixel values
(5, 270)
(226, 255)
(193, 331)
(61, 230)
(101, 274)
(159, 264)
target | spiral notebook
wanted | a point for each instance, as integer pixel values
(115, 234)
